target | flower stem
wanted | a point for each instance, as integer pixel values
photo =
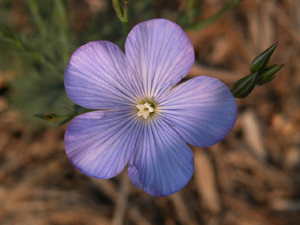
(122, 13)
(125, 18)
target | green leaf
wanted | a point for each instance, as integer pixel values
(215, 17)
(49, 117)
(35, 16)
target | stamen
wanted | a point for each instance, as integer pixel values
(145, 110)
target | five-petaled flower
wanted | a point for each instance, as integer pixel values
(142, 119)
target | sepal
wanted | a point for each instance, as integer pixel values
(260, 62)
(243, 87)
(269, 74)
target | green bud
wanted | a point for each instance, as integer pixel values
(268, 74)
(48, 117)
(260, 62)
(118, 9)
(243, 87)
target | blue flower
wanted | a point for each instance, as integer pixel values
(142, 118)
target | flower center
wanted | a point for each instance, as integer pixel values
(145, 110)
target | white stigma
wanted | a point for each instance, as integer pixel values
(145, 110)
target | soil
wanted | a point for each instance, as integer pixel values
(249, 178)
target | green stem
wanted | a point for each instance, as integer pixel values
(125, 18)
(122, 13)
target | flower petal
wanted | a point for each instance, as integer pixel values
(162, 163)
(97, 77)
(202, 110)
(100, 143)
(160, 54)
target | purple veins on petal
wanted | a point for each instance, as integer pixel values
(100, 143)
(145, 122)
(160, 53)
(97, 77)
(202, 110)
(162, 163)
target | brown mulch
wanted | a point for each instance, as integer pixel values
(250, 178)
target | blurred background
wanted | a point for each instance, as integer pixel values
(252, 177)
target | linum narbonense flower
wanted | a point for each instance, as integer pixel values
(141, 118)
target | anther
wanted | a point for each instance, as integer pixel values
(145, 110)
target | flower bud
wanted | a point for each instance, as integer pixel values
(243, 87)
(118, 9)
(260, 62)
(269, 74)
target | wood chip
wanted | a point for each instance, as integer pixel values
(253, 135)
(206, 181)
